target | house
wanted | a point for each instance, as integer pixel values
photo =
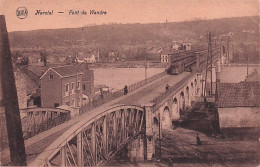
(87, 80)
(28, 85)
(34, 59)
(175, 46)
(187, 46)
(239, 104)
(61, 86)
(52, 59)
(97, 56)
(90, 58)
(164, 58)
(112, 56)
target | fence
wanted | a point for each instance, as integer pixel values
(97, 101)
(32, 127)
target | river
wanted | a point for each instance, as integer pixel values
(235, 74)
(117, 78)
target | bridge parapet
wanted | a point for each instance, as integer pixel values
(36, 120)
(95, 140)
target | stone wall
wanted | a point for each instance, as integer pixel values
(239, 117)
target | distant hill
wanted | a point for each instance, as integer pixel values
(135, 34)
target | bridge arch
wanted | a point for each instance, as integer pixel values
(175, 109)
(192, 91)
(166, 119)
(187, 96)
(196, 87)
(182, 102)
(94, 140)
(155, 121)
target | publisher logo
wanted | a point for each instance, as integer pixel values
(21, 12)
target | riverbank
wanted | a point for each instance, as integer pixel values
(130, 64)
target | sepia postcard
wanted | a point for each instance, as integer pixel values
(130, 83)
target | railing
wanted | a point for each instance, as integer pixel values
(96, 139)
(31, 128)
(38, 120)
(144, 82)
(172, 90)
(98, 100)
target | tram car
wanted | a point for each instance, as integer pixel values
(176, 68)
(178, 65)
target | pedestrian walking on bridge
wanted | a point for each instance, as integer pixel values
(125, 90)
(167, 87)
(198, 140)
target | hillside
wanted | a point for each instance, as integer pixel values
(131, 34)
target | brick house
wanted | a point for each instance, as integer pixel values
(239, 104)
(61, 86)
(87, 80)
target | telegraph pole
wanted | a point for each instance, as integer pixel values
(10, 100)
(160, 145)
(211, 61)
(145, 68)
(228, 50)
(206, 72)
(247, 62)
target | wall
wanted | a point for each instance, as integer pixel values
(50, 90)
(88, 80)
(239, 117)
(21, 90)
(71, 95)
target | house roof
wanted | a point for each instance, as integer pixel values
(69, 70)
(64, 71)
(243, 94)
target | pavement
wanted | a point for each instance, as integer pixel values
(37, 144)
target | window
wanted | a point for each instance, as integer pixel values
(72, 85)
(78, 102)
(67, 88)
(84, 87)
(51, 76)
(78, 85)
(56, 105)
(73, 102)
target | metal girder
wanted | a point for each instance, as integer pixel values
(96, 143)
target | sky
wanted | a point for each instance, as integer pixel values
(120, 11)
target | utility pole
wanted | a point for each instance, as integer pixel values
(160, 147)
(247, 62)
(145, 69)
(10, 100)
(228, 50)
(206, 72)
(211, 61)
